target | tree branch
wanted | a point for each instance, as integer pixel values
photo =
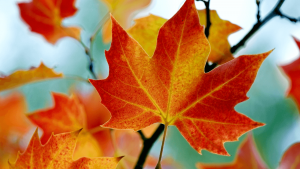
(275, 12)
(208, 67)
(148, 143)
(90, 59)
(258, 11)
(142, 135)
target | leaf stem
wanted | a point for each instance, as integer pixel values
(148, 143)
(158, 166)
(100, 25)
(96, 129)
(275, 12)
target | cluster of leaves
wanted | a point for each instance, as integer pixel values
(156, 75)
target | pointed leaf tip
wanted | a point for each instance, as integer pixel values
(172, 88)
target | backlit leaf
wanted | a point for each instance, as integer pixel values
(57, 154)
(123, 11)
(172, 88)
(45, 17)
(293, 71)
(22, 77)
(218, 36)
(247, 157)
(13, 126)
(66, 115)
(291, 158)
(117, 142)
(145, 31)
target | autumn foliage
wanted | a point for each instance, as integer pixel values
(158, 82)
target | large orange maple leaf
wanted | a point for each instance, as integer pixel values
(45, 17)
(57, 153)
(293, 70)
(247, 157)
(172, 88)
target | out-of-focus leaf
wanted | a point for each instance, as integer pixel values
(57, 154)
(13, 125)
(166, 163)
(123, 11)
(247, 157)
(45, 17)
(117, 142)
(66, 115)
(291, 158)
(22, 77)
(293, 72)
(145, 31)
(218, 34)
(172, 88)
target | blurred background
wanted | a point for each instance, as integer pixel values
(21, 49)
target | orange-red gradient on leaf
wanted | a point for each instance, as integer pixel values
(293, 72)
(247, 157)
(57, 153)
(45, 18)
(172, 88)
(291, 157)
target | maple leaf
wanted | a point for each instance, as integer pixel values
(290, 158)
(66, 115)
(292, 70)
(96, 115)
(45, 17)
(145, 31)
(13, 125)
(172, 88)
(218, 34)
(13, 119)
(124, 11)
(247, 157)
(22, 77)
(57, 153)
(116, 142)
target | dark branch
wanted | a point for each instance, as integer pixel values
(258, 11)
(208, 67)
(275, 12)
(90, 59)
(91, 64)
(148, 143)
(279, 13)
(142, 135)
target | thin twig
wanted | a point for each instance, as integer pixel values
(258, 10)
(100, 25)
(208, 67)
(90, 59)
(148, 143)
(279, 13)
(275, 12)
